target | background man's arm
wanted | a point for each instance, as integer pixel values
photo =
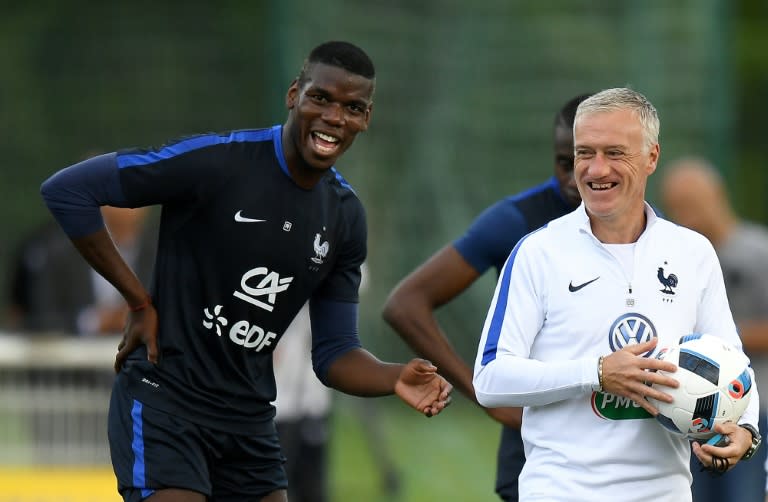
(410, 311)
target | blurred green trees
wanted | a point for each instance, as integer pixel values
(463, 111)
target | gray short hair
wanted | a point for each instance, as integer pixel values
(621, 98)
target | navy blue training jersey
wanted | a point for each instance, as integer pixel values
(492, 236)
(241, 248)
(487, 243)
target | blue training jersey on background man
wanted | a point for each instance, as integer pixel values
(487, 243)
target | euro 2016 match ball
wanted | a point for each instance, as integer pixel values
(715, 386)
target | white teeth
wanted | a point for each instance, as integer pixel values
(601, 186)
(325, 137)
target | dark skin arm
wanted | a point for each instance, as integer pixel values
(359, 373)
(100, 252)
(410, 311)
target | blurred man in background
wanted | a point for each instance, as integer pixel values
(54, 290)
(487, 243)
(694, 195)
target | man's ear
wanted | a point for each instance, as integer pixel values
(654, 158)
(368, 114)
(292, 96)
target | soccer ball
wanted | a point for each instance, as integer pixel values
(715, 386)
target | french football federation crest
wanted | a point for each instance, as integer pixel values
(321, 250)
(631, 329)
(669, 281)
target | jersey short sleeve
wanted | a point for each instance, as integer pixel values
(186, 169)
(488, 241)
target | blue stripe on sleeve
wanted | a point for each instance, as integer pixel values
(483, 246)
(334, 332)
(187, 145)
(341, 180)
(494, 330)
(137, 444)
(277, 140)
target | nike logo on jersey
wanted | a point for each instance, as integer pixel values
(242, 219)
(573, 288)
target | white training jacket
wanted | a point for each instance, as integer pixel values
(563, 300)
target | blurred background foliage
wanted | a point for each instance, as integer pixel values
(466, 95)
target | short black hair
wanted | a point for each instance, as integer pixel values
(341, 54)
(567, 114)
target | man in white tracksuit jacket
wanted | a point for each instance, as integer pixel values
(582, 307)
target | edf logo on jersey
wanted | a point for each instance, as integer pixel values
(262, 294)
(242, 333)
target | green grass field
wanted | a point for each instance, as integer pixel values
(447, 458)
(451, 457)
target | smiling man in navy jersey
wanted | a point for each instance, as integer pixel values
(254, 223)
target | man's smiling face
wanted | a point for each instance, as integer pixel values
(327, 111)
(612, 162)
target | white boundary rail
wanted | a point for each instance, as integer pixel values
(54, 396)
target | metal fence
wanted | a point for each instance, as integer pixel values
(54, 396)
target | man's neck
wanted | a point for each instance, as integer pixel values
(624, 230)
